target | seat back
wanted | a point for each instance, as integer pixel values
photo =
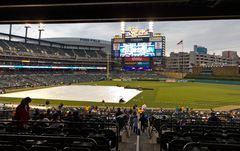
(110, 135)
(177, 144)
(166, 138)
(6, 147)
(43, 148)
(76, 149)
(211, 147)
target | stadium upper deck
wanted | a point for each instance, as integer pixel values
(36, 53)
(106, 45)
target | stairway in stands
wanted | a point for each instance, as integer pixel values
(147, 144)
(128, 143)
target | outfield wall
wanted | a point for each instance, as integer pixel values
(176, 75)
(218, 71)
(226, 71)
(215, 81)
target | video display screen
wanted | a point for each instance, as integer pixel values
(130, 68)
(146, 49)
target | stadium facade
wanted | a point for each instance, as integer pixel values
(106, 45)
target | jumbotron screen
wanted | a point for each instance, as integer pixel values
(146, 49)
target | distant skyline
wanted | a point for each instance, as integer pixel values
(216, 35)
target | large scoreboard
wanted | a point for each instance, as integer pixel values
(143, 49)
(138, 47)
(138, 53)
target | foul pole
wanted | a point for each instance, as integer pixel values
(108, 66)
(182, 61)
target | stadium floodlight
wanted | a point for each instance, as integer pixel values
(28, 25)
(26, 31)
(41, 26)
(40, 29)
(123, 27)
(150, 25)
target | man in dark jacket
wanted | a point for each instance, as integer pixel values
(143, 121)
(213, 119)
(119, 112)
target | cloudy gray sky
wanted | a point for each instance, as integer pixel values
(216, 35)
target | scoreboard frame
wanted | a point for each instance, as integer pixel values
(137, 64)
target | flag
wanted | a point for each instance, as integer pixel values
(180, 42)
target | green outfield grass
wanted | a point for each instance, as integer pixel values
(167, 95)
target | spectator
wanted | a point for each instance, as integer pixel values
(60, 107)
(144, 106)
(213, 119)
(135, 107)
(36, 114)
(143, 121)
(56, 121)
(140, 110)
(22, 112)
(177, 109)
(49, 114)
(231, 120)
(87, 109)
(119, 112)
(135, 124)
(43, 119)
(47, 103)
(76, 116)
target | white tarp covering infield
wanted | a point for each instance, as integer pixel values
(110, 94)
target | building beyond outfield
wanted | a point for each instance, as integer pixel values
(184, 61)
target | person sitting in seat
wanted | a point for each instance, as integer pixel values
(213, 119)
(119, 112)
(55, 121)
(43, 119)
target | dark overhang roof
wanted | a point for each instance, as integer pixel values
(60, 11)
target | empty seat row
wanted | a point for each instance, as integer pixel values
(20, 48)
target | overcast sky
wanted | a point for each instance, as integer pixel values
(216, 35)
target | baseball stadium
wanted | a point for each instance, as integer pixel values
(68, 70)
(130, 92)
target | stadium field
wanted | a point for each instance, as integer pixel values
(165, 95)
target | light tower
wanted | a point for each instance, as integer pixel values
(26, 31)
(150, 28)
(40, 29)
(123, 29)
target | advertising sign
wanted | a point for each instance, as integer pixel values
(135, 32)
(119, 40)
(155, 39)
(129, 59)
